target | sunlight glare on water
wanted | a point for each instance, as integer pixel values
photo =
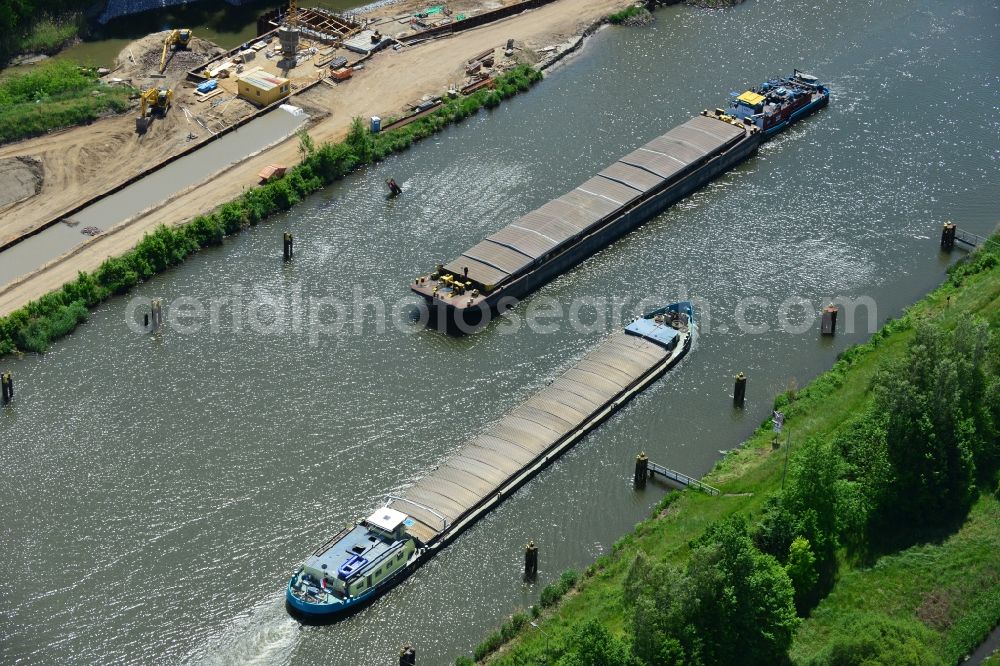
(159, 490)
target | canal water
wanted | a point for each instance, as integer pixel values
(158, 490)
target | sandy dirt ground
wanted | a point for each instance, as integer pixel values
(20, 179)
(80, 162)
(389, 82)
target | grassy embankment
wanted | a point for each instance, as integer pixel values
(49, 34)
(35, 326)
(54, 95)
(38, 26)
(931, 600)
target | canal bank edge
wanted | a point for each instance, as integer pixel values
(750, 473)
(33, 327)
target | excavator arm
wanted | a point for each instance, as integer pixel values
(163, 58)
(150, 100)
(179, 38)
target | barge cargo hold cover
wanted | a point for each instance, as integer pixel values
(367, 559)
(496, 462)
(552, 239)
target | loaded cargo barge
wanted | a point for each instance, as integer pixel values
(492, 275)
(524, 255)
(366, 559)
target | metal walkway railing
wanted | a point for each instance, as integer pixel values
(680, 478)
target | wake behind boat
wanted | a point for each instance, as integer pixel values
(365, 560)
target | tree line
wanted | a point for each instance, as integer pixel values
(907, 469)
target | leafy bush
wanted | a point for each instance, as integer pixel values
(555, 591)
(48, 35)
(550, 595)
(511, 627)
(116, 276)
(629, 12)
(731, 604)
(941, 414)
(801, 570)
(870, 639)
(983, 259)
(593, 645)
(56, 94)
(488, 646)
(667, 500)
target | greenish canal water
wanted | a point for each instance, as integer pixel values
(158, 490)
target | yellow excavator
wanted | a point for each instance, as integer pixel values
(152, 101)
(177, 39)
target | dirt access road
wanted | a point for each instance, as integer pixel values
(389, 81)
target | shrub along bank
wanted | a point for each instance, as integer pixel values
(881, 544)
(28, 26)
(34, 327)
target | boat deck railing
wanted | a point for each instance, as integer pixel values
(392, 498)
(332, 540)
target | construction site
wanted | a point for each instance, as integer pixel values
(393, 63)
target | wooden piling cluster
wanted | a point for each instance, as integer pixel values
(828, 324)
(6, 388)
(530, 561)
(948, 236)
(155, 314)
(641, 470)
(289, 246)
(740, 390)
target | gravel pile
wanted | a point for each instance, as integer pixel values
(20, 177)
(148, 50)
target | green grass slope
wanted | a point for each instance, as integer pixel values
(937, 600)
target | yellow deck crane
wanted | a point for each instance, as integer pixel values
(177, 39)
(152, 101)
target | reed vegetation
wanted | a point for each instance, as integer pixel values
(629, 15)
(49, 34)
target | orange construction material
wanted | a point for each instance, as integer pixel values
(342, 74)
(271, 172)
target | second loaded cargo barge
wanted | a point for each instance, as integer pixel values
(527, 253)
(368, 558)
